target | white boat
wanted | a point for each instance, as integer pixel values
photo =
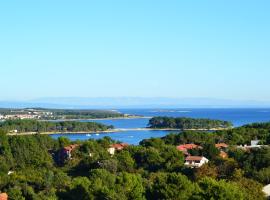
(88, 135)
(97, 134)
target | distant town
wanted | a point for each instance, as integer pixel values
(25, 114)
(57, 114)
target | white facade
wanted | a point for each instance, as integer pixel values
(266, 190)
(195, 161)
(111, 150)
(254, 142)
(14, 131)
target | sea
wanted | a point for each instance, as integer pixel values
(238, 117)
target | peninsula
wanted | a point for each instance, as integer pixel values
(28, 126)
(61, 114)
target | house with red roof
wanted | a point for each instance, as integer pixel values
(117, 147)
(65, 153)
(222, 147)
(195, 161)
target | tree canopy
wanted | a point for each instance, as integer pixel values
(184, 123)
(22, 126)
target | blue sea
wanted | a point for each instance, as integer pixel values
(238, 117)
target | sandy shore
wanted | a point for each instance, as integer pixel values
(115, 130)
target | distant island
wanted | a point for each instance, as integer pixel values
(59, 114)
(184, 123)
(34, 126)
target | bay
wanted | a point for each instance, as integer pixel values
(238, 117)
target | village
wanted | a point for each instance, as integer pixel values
(30, 113)
(192, 161)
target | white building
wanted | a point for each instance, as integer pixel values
(266, 190)
(195, 161)
(10, 172)
(253, 144)
(14, 131)
(116, 147)
(111, 150)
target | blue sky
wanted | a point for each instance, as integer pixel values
(216, 49)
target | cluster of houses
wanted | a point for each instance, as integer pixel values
(198, 161)
(19, 116)
(190, 160)
(25, 114)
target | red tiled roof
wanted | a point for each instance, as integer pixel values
(194, 158)
(119, 146)
(3, 196)
(221, 145)
(185, 147)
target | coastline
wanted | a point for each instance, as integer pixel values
(113, 131)
(116, 118)
(98, 119)
(56, 133)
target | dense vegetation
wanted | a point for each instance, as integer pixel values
(48, 126)
(152, 170)
(236, 136)
(187, 123)
(85, 114)
(258, 125)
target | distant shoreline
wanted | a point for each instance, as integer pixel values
(113, 131)
(91, 119)
(98, 119)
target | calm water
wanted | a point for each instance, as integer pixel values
(237, 116)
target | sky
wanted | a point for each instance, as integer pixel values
(138, 48)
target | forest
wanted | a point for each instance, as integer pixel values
(85, 114)
(25, 126)
(29, 168)
(184, 123)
